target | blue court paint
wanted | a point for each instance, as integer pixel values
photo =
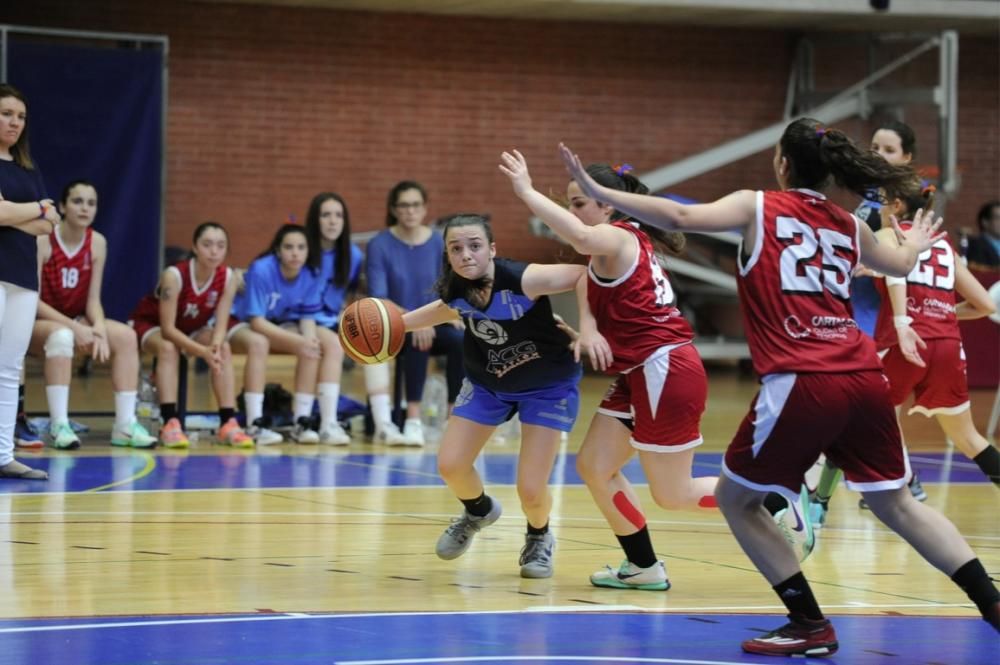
(500, 637)
(238, 470)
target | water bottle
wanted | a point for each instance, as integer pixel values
(148, 407)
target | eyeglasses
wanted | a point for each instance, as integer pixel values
(409, 206)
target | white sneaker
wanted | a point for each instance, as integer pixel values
(302, 432)
(388, 434)
(264, 436)
(334, 435)
(63, 436)
(630, 576)
(413, 432)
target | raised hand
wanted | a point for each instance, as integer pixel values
(923, 232)
(514, 166)
(578, 173)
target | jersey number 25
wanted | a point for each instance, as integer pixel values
(813, 264)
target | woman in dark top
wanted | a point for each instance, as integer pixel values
(24, 214)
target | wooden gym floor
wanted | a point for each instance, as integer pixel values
(311, 554)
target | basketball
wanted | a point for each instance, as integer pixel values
(372, 330)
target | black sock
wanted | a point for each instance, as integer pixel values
(989, 462)
(480, 506)
(775, 503)
(225, 414)
(532, 531)
(798, 597)
(977, 585)
(638, 548)
(20, 401)
(168, 411)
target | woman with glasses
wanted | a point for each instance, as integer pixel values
(403, 264)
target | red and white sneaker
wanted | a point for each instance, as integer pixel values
(798, 637)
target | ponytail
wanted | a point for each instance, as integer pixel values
(815, 154)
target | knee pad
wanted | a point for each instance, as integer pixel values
(59, 344)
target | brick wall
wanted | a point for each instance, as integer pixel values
(269, 105)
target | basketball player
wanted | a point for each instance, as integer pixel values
(655, 403)
(281, 301)
(189, 313)
(70, 316)
(822, 385)
(517, 361)
(25, 212)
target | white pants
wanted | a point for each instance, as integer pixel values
(17, 314)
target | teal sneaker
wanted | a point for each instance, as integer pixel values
(63, 437)
(133, 435)
(796, 525)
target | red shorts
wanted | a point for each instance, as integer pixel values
(663, 398)
(941, 387)
(144, 328)
(795, 417)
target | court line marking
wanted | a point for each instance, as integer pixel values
(298, 616)
(145, 471)
(538, 659)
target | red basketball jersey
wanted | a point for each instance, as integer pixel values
(636, 312)
(930, 298)
(195, 303)
(795, 287)
(66, 275)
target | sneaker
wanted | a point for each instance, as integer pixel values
(817, 512)
(798, 637)
(132, 435)
(231, 434)
(334, 435)
(303, 432)
(25, 434)
(631, 576)
(388, 434)
(457, 537)
(536, 556)
(172, 436)
(262, 435)
(63, 437)
(413, 432)
(916, 489)
(795, 524)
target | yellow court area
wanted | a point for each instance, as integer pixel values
(295, 528)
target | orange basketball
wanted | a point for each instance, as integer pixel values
(372, 330)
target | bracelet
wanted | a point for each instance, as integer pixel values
(901, 321)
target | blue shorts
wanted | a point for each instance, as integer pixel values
(555, 407)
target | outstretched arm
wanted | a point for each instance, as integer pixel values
(545, 279)
(428, 316)
(601, 240)
(735, 212)
(978, 302)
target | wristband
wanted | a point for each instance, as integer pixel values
(901, 321)
(43, 209)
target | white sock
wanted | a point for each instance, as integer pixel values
(254, 403)
(377, 378)
(124, 408)
(58, 403)
(329, 395)
(303, 405)
(381, 413)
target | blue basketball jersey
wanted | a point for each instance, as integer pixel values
(267, 293)
(513, 345)
(333, 295)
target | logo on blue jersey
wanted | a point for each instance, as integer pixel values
(489, 332)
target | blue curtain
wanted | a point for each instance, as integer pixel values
(95, 113)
